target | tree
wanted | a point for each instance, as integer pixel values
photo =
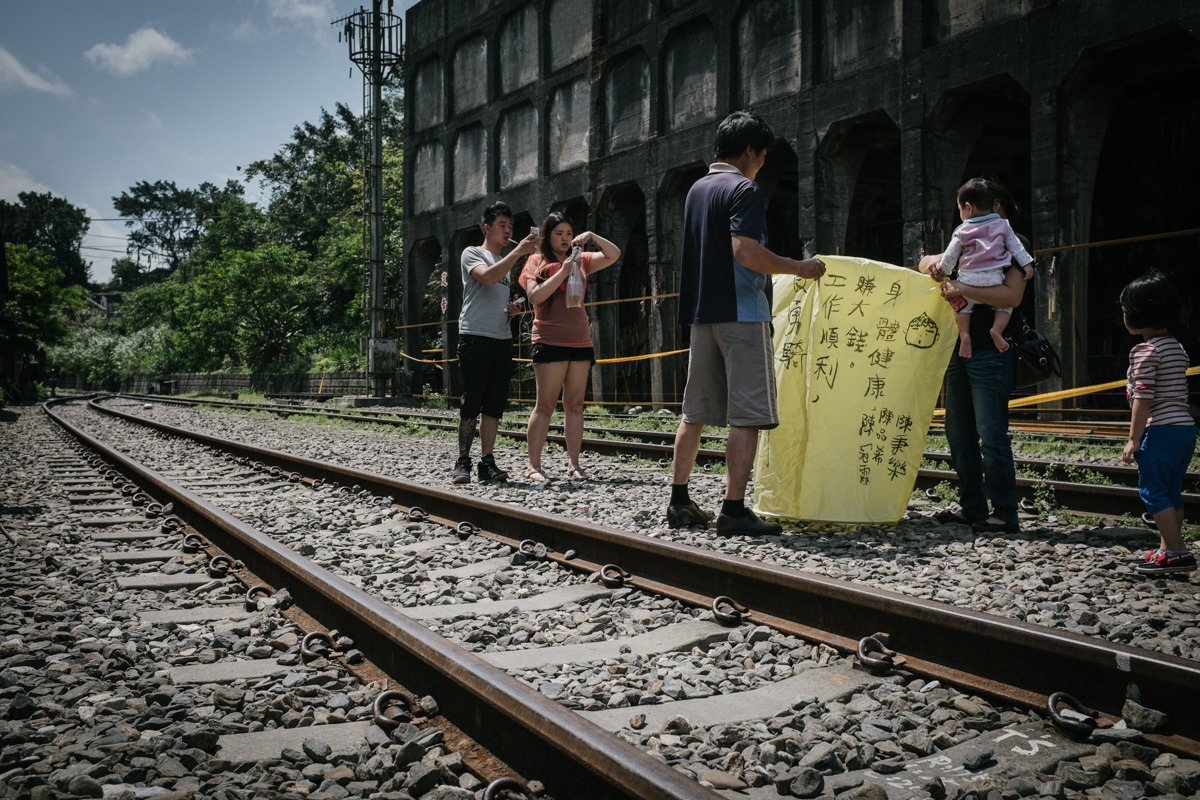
(52, 225)
(37, 307)
(167, 220)
(244, 308)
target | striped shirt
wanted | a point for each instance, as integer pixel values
(1157, 372)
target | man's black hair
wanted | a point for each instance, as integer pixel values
(978, 192)
(497, 209)
(740, 130)
(1151, 301)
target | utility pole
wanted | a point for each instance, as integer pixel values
(375, 41)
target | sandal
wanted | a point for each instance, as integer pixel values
(535, 475)
(577, 474)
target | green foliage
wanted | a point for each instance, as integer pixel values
(51, 225)
(947, 492)
(1044, 499)
(217, 282)
(166, 221)
(246, 304)
(38, 307)
(104, 357)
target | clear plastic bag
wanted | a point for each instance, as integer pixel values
(575, 282)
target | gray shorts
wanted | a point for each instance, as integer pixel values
(731, 376)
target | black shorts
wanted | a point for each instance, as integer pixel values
(486, 366)
(549, 353)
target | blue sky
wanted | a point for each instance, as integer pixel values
(97, 95)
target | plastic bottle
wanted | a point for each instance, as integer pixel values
(575, 281)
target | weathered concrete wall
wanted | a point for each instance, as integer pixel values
(518, 145)
(427, 105)
(519, 50)
(768, 51)
(627, 102)
(623, 16)
(470, 163)
(952, 18)
(690, 77)
(569, 125)
(570, 31)
(428, 178)
(470, 69)
(859, 35)
(883, 107)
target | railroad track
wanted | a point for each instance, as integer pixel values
(1117, 499)
(1006, 660)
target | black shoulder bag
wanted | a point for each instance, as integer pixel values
(1034, 358)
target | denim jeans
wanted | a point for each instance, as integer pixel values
(977, 395)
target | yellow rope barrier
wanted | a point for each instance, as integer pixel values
(426, 360)
(619, 360)
(1064, 394)
(530, 311)
(1147, 238)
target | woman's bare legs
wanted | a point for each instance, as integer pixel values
(550, 378)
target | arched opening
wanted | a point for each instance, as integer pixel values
(423, 312)
(621, 329)
(689, 75)
(1146, 172)
(977, 131)
(858, 186)
(668, 374)
(779, 180)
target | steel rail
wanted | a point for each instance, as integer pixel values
(533, 734)
(1012, 660)
(1084, 498)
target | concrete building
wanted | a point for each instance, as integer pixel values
(1087, 109)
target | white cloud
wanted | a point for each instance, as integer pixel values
(302, 13)
(13, 73)
(14, 180)
(244, 31)
(153, 121)
(143, 49)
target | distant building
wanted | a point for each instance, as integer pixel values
(1088, 111)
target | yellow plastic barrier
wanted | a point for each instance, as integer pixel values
(859, 360)
(1064, 394)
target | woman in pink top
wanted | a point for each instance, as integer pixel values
(562, 336)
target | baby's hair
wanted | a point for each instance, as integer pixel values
(978, 192)
(1151, 301)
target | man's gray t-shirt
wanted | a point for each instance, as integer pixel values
(483, 311)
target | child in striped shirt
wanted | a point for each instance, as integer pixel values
(1162, 433)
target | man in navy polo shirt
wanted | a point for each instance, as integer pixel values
(723, 297)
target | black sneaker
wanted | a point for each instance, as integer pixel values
(488, 471)
(462, 470)
(748, 525)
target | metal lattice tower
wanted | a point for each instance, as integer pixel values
(375, 41)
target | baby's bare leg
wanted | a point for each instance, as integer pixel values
(997, 331)
(964, 334)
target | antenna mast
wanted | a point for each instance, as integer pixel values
(375, 41)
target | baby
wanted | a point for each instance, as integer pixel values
(981, 248)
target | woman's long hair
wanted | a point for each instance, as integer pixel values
(552, 221)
